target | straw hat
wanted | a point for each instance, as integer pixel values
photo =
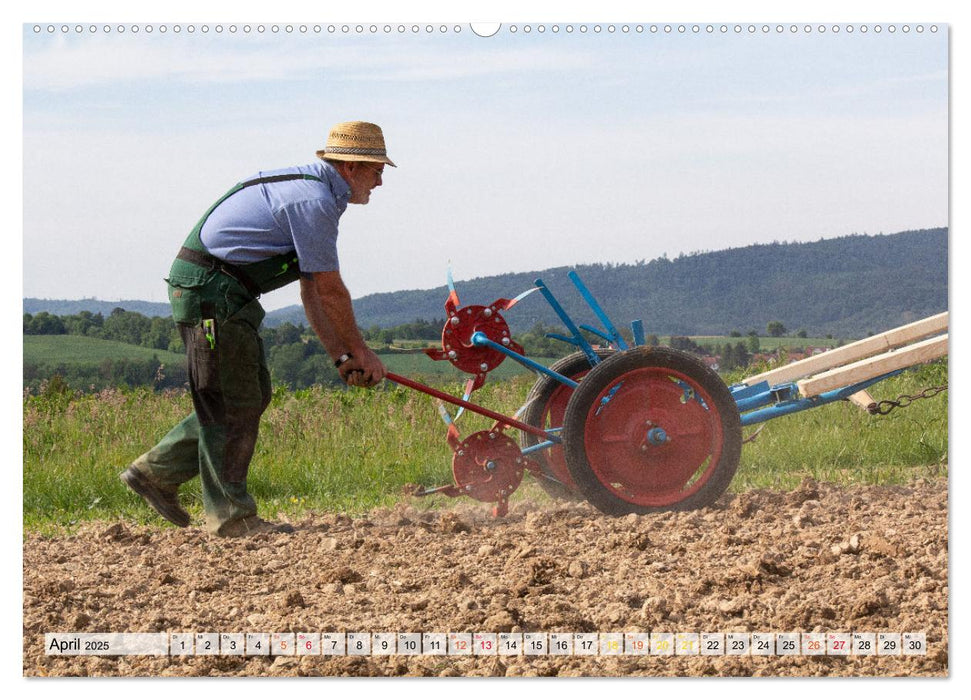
(356, 141)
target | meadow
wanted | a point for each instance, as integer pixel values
(52, 354)
(350, 450)
(80, 349)
(74, 350)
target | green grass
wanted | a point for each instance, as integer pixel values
(843, 444)
(335, 450)
(321, 449)
(81, 350)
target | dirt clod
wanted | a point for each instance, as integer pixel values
(451, 523)
(294, 600)
(344, 574)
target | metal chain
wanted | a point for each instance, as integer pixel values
(884, 407)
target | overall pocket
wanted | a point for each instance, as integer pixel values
(186, 283)
(202, 356)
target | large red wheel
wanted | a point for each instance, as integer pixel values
(546, 408)
(651, 429)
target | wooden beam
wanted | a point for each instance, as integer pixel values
(862, 399)
(915, 354)
(888, 340)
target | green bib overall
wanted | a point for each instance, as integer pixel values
(216, 307)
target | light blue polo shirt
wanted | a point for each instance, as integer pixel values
(276, 218)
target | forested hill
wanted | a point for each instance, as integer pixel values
(70, 307)
(848, 286)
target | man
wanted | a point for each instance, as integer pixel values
(264, 233)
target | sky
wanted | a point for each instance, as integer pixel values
(516, 152)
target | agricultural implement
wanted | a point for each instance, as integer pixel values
(634, 428)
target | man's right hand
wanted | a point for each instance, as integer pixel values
(363, 369)
(329, 310)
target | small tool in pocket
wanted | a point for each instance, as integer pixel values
(209, 328)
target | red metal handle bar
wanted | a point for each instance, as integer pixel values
(504, 420)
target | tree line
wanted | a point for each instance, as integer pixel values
(850, 286)
(123, 326)
(95, 376)
(294, 355)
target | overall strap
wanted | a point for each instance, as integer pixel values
(195, 242)
(194, 251)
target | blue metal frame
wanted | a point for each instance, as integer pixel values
(784, 406)
(612, 334)
(756, 404)
(480, 339)
(577, 338)
(540, 446)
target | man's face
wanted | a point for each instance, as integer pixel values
(362, 178)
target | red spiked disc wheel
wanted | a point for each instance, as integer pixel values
(458, 348)
(546, 408)
(488, 466)
(651, 429)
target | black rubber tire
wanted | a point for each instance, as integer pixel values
(535, 415)
(605, 375)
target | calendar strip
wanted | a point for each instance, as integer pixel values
(487, 644)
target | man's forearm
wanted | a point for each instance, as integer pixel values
(327, 304)
(318, 320)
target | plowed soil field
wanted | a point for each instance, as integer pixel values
(820, 558)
